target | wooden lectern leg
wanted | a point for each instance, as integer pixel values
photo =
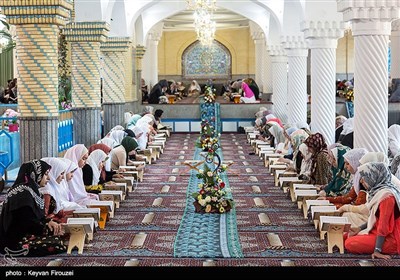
(77, 238)
(335, 238)
(103, 217)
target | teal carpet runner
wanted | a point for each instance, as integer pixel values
(207, 235)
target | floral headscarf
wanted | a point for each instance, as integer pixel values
(395, 166)
(24, 193)
(378, 177)
(353, 158)
(316, 142)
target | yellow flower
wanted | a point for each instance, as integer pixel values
(208, 208)
(221, 209)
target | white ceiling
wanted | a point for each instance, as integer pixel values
(224, 19)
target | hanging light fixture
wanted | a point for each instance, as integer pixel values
(203, 25)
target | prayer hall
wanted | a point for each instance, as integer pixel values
(199, 133)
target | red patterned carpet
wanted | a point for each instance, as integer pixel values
(299, 240)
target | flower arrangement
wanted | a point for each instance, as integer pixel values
(209, 95)
(211, 197)
(208, 138)
(349, 94)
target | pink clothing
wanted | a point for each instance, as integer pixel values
(248, 93)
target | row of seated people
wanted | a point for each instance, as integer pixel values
(246, 88)
(364, 186)
(47, 192)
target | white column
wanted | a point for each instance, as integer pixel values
(322, 40)
(395, 50)
(259, 42)
(150, 60)
(297, 78)
(279, 78)
(266, 71)
(155, 38)
(371, 36)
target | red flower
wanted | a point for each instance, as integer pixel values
(222, 185)
(202, 191)
(25, 246)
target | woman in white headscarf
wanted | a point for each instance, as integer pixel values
(65, 195)
(79, 154)
(277, 132)
(144, 124)
(92, 171)
(394, 140)
(140, 136)
(346, 137)
(117, 136)
(51, 197)
(346, 203)
(380, 236)
(395, 166)
(108, 142)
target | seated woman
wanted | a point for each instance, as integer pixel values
(248, 94)
(23, 225)
(51, 192)
(379, 236)
(92, 171)
(320, 172)
(120, 154)
(79, 154)
(339, 185)
(194, 89)
(394, 140)
(65, 195)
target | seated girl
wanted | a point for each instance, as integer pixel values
(92, 171)
(23, 225)
(51, 192)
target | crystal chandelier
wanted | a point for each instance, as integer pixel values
(210, 5)
(203, 25)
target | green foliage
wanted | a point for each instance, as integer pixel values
(5, 33)
(64, 75)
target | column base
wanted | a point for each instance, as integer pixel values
(113, 114)
(39, 137)
(87, 125)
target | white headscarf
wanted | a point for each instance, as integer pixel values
(353, 157)
(53, 188)
(76, 185)
(117, 127)
(66, 197)
(117, 136)
(94, 160)
(348, 126)
(394, 139)
(108, 142)
(142, 139)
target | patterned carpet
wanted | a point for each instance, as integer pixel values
(287, 236)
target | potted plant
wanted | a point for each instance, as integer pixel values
(13, 126)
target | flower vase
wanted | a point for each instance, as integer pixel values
(199, 209)
(13, 127)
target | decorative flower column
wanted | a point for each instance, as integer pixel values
(37, 28)
(322, 40)
(85, 38)
(279, 84)
(395, 50)
(297, 78)
(115, 51)
(371, 27)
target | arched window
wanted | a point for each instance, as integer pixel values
(204, 62)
